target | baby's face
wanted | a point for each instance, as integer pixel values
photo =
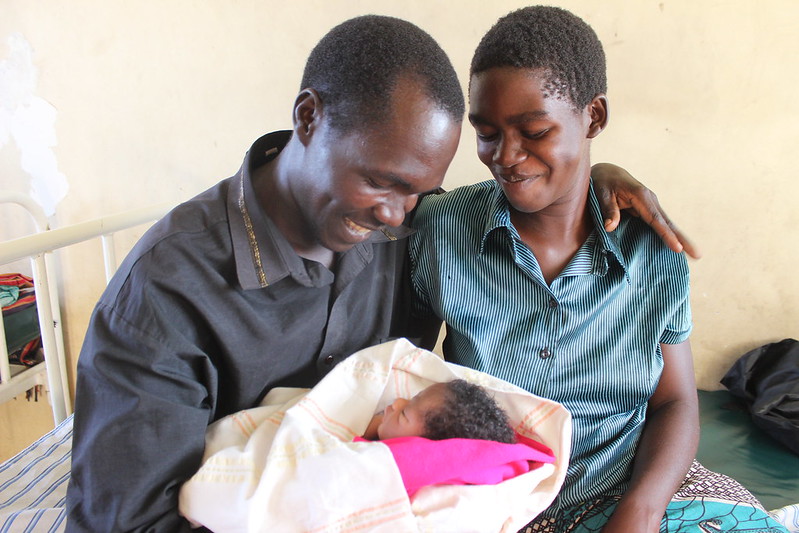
(405, 418)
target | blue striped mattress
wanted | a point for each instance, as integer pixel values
(33, 484)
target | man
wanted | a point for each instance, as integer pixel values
(267, 279)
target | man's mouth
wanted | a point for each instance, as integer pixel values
(356, 228)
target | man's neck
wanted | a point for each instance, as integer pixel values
(270, 182)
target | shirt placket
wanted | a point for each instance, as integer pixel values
(340, 317)
(549, 307)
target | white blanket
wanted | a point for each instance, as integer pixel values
(290, 465)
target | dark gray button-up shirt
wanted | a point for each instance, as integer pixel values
(210, 310)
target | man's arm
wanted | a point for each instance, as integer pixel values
(412, 316)
(667, 447)
(425, 331)
(139, 429)
(616, 189)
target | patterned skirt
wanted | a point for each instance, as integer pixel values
(706, 502)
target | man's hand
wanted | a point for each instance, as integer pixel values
(616, 189)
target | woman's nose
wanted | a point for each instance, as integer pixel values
(508, 153)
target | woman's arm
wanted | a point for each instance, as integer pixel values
(616, 189)
(667, 446)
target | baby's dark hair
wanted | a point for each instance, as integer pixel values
(469, 412)
(553, 40)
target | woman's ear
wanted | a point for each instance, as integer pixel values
(307, 114)
(598, 112)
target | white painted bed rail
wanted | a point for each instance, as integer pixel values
(38, 248)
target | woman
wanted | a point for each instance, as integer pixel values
(536, 292)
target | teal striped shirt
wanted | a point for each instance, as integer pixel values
(591, 340)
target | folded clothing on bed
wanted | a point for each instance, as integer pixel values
(292, 465)
(20, 318)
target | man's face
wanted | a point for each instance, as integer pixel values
(536, 146)
(406, 418)
(360, 181)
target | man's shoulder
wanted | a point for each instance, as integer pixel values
(643, 248)
(183, 241)
(195, 215)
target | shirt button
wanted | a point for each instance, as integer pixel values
(329, 360)
(544, 353)
(553, 303)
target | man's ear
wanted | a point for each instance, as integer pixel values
(598, 112)
(307, 114)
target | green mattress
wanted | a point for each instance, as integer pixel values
(731, 444)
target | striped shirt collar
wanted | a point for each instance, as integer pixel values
(599, 245)
(263, 255)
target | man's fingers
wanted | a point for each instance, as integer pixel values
(610, 210)
(663, 227)
(651, 211)
(690, 248)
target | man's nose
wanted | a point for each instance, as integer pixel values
(392, 210)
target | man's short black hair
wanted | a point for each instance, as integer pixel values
(554, 40)
(468, 412)
(356, 66)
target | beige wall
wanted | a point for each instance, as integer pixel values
(133, 103)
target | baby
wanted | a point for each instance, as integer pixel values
(437, 461)
(454, 409)
(453, 433)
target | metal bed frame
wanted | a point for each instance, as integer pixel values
(39, 248)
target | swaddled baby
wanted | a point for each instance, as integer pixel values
(453, 433)
(318, 459)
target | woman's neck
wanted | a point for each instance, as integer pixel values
(555, 233)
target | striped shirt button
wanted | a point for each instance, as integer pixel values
(553, 303)
(544, 353)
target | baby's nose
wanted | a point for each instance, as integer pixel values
(399, 403)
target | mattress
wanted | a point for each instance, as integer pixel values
(731, 444)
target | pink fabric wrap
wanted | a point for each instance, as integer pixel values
(423, 462)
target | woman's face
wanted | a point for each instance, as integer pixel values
(534, 141)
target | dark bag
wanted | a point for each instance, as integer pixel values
(767, 379)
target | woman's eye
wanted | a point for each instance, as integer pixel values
(535, 134)
(486, 136)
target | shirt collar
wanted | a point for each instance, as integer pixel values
(607, 242)
(262, 254)
(497, 216)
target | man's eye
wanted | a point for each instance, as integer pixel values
(375, 184)
(486, 137)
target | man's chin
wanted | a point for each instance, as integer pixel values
(340, 245)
